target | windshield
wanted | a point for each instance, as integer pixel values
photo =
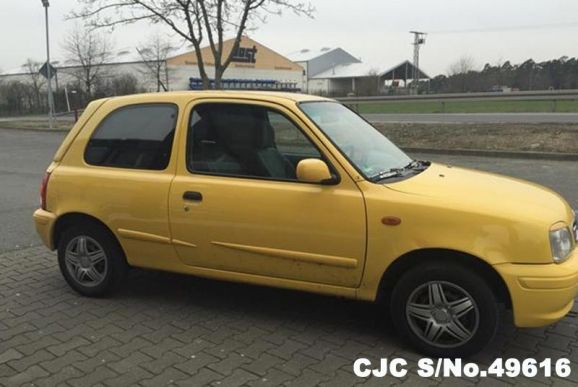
(369, 150)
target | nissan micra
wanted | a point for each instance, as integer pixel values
(299, 192)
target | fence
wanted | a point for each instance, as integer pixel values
(543, 95)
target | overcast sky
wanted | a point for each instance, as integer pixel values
(374, 30)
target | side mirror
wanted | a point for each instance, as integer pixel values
(315, 171)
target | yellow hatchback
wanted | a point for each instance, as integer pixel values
(299, 192)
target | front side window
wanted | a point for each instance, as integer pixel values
(245, 140)
(135, 137)
(369, 150)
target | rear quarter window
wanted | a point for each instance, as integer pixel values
(134, 137)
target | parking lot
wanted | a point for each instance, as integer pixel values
(165, 329)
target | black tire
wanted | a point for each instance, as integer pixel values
(439, 324)
(112, 269)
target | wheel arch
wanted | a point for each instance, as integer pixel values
(65, 221)
(409, 260)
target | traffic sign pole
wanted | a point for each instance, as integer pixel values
(48, 69)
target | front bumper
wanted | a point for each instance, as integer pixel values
(541, 294)
(44, 222)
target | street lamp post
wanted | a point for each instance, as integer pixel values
(45, 4)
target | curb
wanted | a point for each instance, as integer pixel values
(497, 153)
(36, 130)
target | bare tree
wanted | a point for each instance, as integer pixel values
(193, 20)
(461, 71)
(370, 84)
(36, 80)
(88, 52)
(154, 55)
(462, 66)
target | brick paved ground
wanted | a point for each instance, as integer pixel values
(167, 329)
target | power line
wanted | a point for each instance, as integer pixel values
(509, 28)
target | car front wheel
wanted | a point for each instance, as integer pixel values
(445, 310)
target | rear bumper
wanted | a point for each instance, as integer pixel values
(541, 294)
(44, 222)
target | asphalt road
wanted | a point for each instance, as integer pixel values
(425, 118)
(476, 118)
(24, 155)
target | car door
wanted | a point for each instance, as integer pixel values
(235, 203)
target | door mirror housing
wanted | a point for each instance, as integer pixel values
(315, 171)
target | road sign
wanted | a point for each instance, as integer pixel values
(44, 71)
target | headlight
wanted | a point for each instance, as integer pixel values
(561, 244)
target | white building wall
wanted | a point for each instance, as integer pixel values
(341, 86)
(65, 75)
(318, 86)
(178, 75)
(304, 83)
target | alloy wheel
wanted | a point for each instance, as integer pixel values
(442, 314)
(86, 261)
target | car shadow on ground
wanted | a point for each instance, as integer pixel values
(258, 302)
(300, 312)
(204, 308)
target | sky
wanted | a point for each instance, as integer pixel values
(376, 31)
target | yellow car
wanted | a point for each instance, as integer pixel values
(299, 192)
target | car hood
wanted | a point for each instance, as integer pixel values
(487, 193)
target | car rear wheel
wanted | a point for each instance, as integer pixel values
(91, 260)
(445, 310)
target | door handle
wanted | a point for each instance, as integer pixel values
(193, 196)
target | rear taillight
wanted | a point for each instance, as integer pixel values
(43, 190)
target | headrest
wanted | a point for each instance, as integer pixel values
(236, 131)
(240, 128)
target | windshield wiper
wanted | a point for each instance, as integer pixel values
(416, 165)
(387, 174)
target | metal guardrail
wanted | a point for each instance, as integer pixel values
(74, 114)
(542, 95)
(570, 94)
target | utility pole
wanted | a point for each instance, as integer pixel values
(418, 40)
(46, 4)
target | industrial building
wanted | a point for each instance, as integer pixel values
(335, 72)
(328, 71)
(254, 66)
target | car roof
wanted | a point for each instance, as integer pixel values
(192, 95)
